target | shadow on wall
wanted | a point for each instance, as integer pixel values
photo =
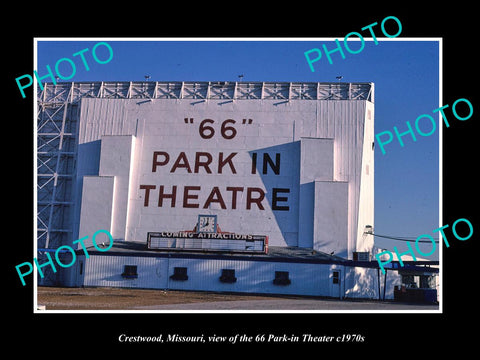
(367, 284)
(88, 163)
(279, 170)
(88, 159)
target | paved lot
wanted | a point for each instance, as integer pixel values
(56, 298)
(293, 304)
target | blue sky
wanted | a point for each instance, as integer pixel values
(406, 77)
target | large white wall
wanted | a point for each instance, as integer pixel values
(318, 141)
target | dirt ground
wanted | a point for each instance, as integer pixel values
(57, 298)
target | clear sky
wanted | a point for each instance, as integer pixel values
(406, 77)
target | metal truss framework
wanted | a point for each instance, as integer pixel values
(58, 115)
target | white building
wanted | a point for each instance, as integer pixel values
(293, 162)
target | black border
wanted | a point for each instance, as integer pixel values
(385, 334)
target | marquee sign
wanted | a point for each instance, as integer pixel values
(210, 242)
(206, 238)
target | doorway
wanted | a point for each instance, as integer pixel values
(336, 283)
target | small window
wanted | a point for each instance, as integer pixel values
(179, 274)
(361, 255)
(281, 278)
(336, 277)
(228, 276)
(130, 272)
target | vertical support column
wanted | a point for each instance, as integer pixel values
(316, 163)
(366, 214)
(105, 198)
(97, 206)
(330, 227)
(116, 157)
